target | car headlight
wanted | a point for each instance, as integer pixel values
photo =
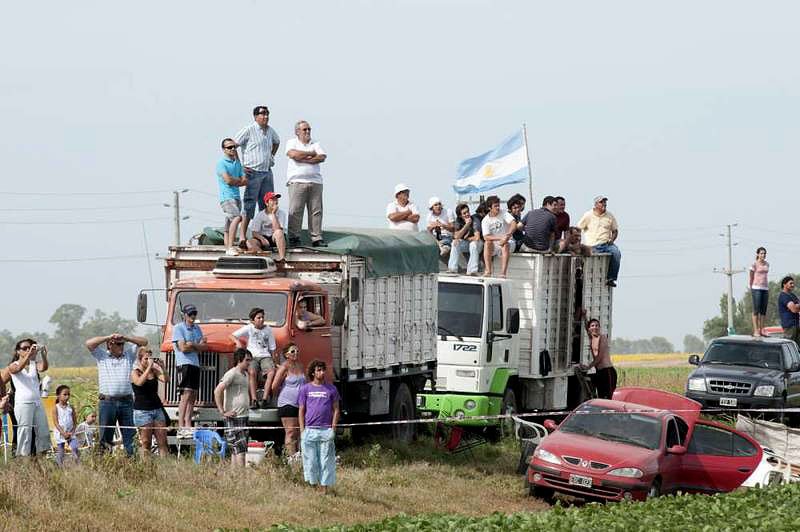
(627, 472)
(697, 384)
(469, 404)
(765, 390)
(547, 456)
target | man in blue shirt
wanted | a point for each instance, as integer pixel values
(188, 341)
(230, 176)
(789, 309)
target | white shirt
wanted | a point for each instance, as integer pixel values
(405, 225)
(298, 172)
(256, 145)
(260, 342)
(494, 225)
(445, 217)
(26, 384)
(262, 222)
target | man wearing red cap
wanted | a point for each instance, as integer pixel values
(304, 181)
(267, 227)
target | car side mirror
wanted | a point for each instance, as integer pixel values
(512, 319)
(141, 307)
(677, 450)
(550, 425)
(694, 360)
(338, 313)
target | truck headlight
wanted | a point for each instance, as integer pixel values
(765, 390)
(547, 456)
(627, 472)
(697, 384)
(468, 373)
(470, 404)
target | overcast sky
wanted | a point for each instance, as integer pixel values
(685, 114)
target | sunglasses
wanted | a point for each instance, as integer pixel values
(191, 313)
(229, 147)
(25, 347)
(305, 129)
(293, 351)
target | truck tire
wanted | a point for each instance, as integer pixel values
(402, 410)
(505, 427)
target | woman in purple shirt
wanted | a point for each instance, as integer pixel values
(288, 380)
(318, 416)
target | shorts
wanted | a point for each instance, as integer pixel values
(270, 240)
(262, 365)
(288, 411)
(143, 418)
(760, 299)
(188, 377)
(236, 434)
(232, 208)
(497, 249)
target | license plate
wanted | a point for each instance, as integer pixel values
(580, 480)
(727, 401)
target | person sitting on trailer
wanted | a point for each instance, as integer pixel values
(562, 218)
(306, 319)
(268, 228)
(440, 225)
(496, 237)
(401, 213)
(513, 217)
(540, 227)
(467, 237)
(571, 243)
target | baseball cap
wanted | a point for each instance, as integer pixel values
(600, 198)
(189, 309)
(270, 195)
(400, 187)
(433, 201)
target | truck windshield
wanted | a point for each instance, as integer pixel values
(744, 354)
(231, 306)
(460, 309)
(623, 427)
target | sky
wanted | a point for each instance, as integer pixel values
(684, 114)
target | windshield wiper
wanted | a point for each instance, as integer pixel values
(720, 362)
(621, 439)
(450, 333)
(577, 429)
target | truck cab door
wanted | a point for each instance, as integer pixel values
(498, 349)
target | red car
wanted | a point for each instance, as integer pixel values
(640, 444)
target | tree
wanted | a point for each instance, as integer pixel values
(67, 345)
(656, 344)
(693, 344)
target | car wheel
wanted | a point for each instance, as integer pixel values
(546, 494)
(655, 489)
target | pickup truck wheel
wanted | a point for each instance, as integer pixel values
(403, 410)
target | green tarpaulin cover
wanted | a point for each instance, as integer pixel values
(387, 252)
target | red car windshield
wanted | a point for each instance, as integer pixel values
(628, 428)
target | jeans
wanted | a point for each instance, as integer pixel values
(32, 418)
(258, 184)
(460, 246)
(318, 447)
(111, 412)
(305, 196)
(616, 256)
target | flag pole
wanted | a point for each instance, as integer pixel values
(528, 158)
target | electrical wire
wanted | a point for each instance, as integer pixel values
(126, 193)
(80, 222)
(76, 259)
(80, 209)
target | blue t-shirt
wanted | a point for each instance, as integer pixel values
(233, 168)
(788, 318)
(187, 334)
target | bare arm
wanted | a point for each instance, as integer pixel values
(300, 156)
(219, 395)
(235, 181)
(413, 218)
(614, 234)
(752, 275)
(793, 307)
(280, 375)
(400, 216)
(92, 343)
(318, 158)
(139, 377)
(43, 364)
(301, 417)
(22, 363)
(336, 412)
(55, 421)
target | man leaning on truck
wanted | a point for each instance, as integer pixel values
(188, 340)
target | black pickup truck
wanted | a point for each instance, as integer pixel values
(744, 372)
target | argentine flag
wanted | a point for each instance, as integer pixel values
(504, 165)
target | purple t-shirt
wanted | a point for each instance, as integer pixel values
(319, 401)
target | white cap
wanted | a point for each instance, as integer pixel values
(398, 188)
(433, 201)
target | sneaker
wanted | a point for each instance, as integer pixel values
(319, 244)
(232, 251)
(611, 283)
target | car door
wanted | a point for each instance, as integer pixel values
(793, 377)
(718, 459)
(670, 464)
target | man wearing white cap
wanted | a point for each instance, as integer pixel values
(601, 230)
(440, 225)
(402, 214)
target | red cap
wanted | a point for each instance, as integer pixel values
(270, 195)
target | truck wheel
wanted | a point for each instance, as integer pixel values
(504, 427)
(403, 410)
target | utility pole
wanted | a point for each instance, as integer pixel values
(730, 272)
(176, 214)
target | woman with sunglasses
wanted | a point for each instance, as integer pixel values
(148, 411)
(28, 408)
(289, 378)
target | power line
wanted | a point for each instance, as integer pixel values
(126, 193)
(80, 222)
(75, 259)
(81, 209)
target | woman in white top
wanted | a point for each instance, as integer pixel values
(759, 289)
(28, 409)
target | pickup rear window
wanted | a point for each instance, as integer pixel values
(745, 354)
(232, 306)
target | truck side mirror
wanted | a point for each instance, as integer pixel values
(512, 321)
(141, 307)
(694, 360)
(338, 313)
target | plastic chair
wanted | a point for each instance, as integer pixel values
(529, 435)
(204, 441)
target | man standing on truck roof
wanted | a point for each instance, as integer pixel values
(261, 343)
(230, 176)
(267, 228)
(304, 181)
(539, 227)
(789, 310)
(259, 142)
(115, 362)
(402, 214)
(188, 341)
(601, 230)
(232, 401)
(440, 225)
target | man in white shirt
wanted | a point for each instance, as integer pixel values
(402, 214)
(304, 180)
(257, 337)
(496, 237)
(440, 225)
(267, 228)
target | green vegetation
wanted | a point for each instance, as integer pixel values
(671, 379)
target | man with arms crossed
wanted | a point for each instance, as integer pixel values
(304, 181)
(188, 341)
(789, 309)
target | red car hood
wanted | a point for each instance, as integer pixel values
(614, 454)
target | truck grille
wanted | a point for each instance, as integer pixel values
(210, 374)
(729, 387)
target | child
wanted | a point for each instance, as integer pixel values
(259, 340)
(64, 419)
(86, 431)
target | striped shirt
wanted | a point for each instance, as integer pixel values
(114, 373)
(256, 145)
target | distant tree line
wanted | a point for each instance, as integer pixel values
(656, 344)
(66, 345)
